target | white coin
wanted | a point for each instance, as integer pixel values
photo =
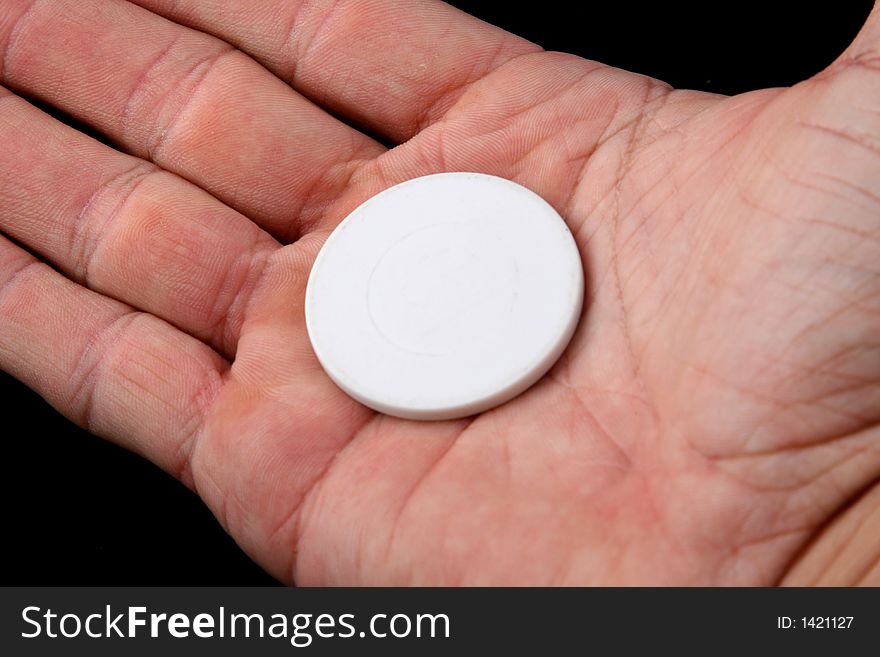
(444, 296)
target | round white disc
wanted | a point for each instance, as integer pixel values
(444, 296)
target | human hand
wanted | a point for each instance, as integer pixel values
(715, 411)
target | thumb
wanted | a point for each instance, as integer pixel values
(866, 45)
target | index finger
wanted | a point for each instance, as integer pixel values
(391, 66)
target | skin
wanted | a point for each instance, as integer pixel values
(715, 420)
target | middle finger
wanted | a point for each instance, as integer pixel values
(125, 228)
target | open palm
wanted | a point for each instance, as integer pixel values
(718, 406)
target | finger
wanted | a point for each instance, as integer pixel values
(120, 373)
(188, 102)
(866, 45)
(393, 66)
(125, 228)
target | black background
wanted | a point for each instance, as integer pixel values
(81, 511)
